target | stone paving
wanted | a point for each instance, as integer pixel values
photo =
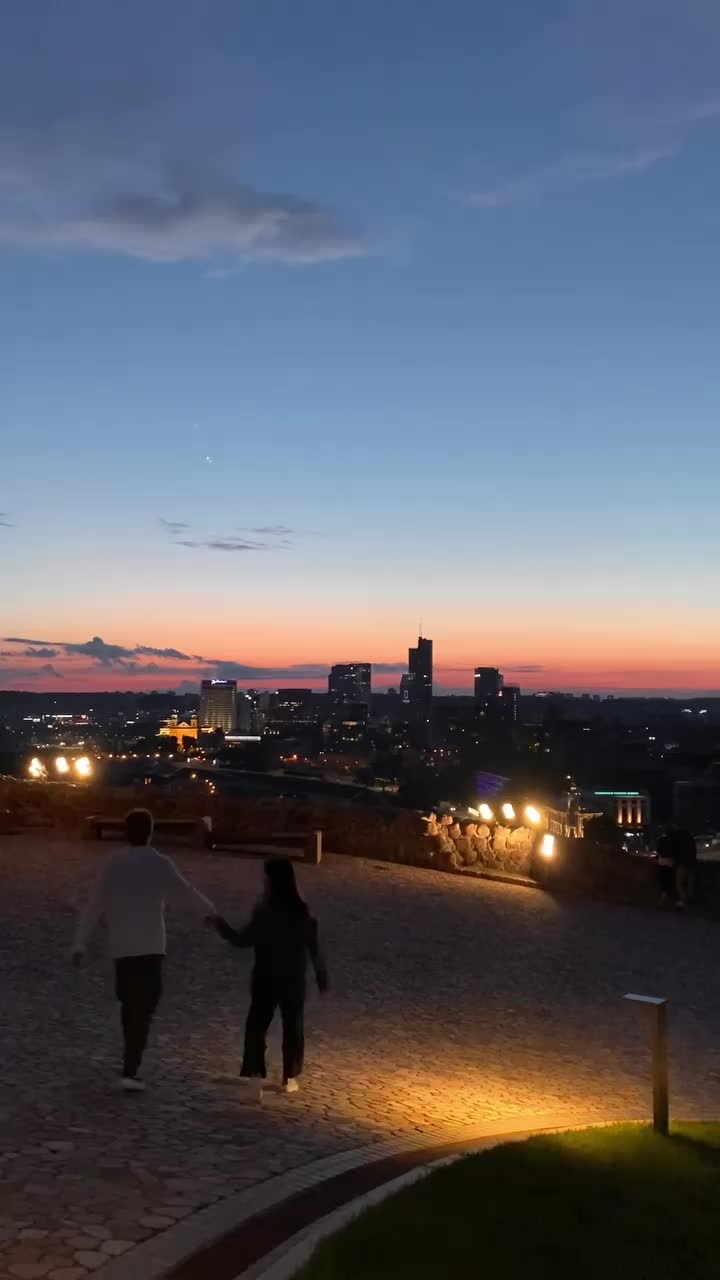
(456, 1005)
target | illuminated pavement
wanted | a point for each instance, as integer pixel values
(456, 1006)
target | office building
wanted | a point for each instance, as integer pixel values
(510, 695)
(245, 708)
(347, 726)
(261, 703)
(488, 687)
(420, 666)
(218, 705)
(291, 714)
(417, 690)
(407, 693)
(350, 682)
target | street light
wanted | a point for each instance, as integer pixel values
(83, 767)
(486, 813)
(533, 815)
(508, 812)
(37, 769)
(62, 765)
(547, 846)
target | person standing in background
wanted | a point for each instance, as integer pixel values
(665, 854)
(131, 897)
(685, 863)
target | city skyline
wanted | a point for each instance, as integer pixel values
(97, 665)
(408, 312)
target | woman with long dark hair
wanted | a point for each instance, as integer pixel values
(283, 935)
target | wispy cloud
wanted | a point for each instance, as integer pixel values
(175, 212)
(5, 522)
(269, 537)
(226, 544)
(274, 530)
(624, 146)
(174, 526)
(576, 169)
(97, 160)
(18, 676)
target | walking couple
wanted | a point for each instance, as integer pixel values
(131, 897)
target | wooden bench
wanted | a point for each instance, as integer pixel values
(308, 844)
(196, 829)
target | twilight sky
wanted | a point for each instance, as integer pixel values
(318, 319)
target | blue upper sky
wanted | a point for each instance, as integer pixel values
(397, 308)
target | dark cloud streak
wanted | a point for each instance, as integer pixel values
(122, 658)
(227, 544)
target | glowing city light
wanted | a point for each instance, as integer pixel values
(62, 765)
(508, 812)
(486, 813)
(533, 815)
(36, 768)
(83, 767)
(547, 845)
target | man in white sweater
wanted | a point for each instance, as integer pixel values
(131, 897)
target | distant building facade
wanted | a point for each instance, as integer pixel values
(489, 682)
(696, 804)
(291, 714)
(347, 727)
(627, 808)
(218, 705)
(179, 729)
(416, 692)
(510, 697)
(350, 682)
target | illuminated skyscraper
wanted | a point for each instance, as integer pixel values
(488, 687)
(218, 705)
(420, 689)
(349, 682)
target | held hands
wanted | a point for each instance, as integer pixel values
(227, 933)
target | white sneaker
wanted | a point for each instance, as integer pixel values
(251, 1088)
(290, 1086)
(129, 1084)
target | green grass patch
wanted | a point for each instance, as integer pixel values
(611, 1203)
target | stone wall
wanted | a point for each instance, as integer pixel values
(579, 867)
(394, 835)
(477, 847)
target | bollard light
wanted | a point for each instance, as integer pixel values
(661, 1106)
(547, 846)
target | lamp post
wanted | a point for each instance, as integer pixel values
(658, 1008)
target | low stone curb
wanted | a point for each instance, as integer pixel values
(181, 1249)
(289, 1257)
(285, 1261)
